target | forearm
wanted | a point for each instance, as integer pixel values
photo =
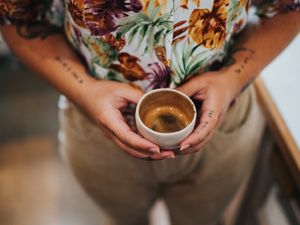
(259, 44)
(53, 59)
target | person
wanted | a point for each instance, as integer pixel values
(103, 55)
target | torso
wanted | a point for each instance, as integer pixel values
(153, 43)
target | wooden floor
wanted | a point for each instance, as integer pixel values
(37, 189)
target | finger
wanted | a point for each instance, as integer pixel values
(206, 125)
(117, 125)
(119, 143)
(202, 144)
(198, 147)
(209, 117)
(189, 88)
(141, 155)
(108, 134)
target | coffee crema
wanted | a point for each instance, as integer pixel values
(166, 112)
(166, 118)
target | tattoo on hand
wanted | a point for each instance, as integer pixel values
(69, 69)
(204, 125)
(210, 113)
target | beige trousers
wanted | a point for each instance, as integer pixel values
(196, 188)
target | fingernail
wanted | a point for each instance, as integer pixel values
(186, 146)
(171, 157)
(154, 149)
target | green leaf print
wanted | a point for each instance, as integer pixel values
(186, 61)
(149, 26)
(103, 54)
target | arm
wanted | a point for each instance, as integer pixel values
(260, 43)
(256, 46)
(56, 62)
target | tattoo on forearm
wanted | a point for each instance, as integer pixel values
(243, 63)
(230, 59)
(68, 69)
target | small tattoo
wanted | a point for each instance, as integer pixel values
(210, 113)
(238, 70)
(230, 58)
(69, 69)
(204, 124)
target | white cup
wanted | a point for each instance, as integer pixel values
(165, 140)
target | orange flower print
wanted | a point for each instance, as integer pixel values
(6, 6)
(208, 27)
(160, 53)
(76, 8)
(22, 10)
(184, 3)
(101, 16)
(117, 44)
(129, 67)
(161, 3)
(99, 51)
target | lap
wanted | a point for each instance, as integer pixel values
(202, 196)
(125, 188)
(119, 184)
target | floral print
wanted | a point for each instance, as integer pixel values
(147, 43)
(208, 27)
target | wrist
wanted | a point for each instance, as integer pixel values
(80, 92)
(234, 82)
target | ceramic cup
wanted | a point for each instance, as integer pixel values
(157, 98)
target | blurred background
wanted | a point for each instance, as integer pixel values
(37, 188)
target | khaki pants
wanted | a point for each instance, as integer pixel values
(196, 188)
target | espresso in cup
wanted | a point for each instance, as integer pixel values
(165, 116)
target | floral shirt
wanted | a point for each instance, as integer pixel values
(148, 43)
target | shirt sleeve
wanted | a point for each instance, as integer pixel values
(26, 12)
(270, 8)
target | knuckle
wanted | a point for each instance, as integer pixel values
(125, 140)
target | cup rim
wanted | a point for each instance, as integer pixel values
(137, 114)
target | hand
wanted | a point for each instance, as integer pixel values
(103, 101)
(216, 91)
